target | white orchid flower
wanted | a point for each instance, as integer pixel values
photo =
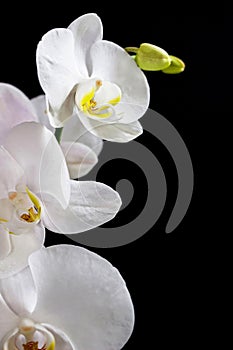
(98, 79)
(36, 192)
(81, 148)
(67, 299)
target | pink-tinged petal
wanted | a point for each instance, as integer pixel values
(5, 243)
(91, 205)
(36, 150)
(83, 295)
(58, 118)
(86, 30)
(10, 174)
(80, 159)
(15, 108)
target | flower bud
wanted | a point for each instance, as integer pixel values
(152, 58)
(176, 66)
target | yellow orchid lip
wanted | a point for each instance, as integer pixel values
(115, 101)
(32, 215)
(86, 101)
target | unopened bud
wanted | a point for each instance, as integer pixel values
(176, 66)
(152, 58)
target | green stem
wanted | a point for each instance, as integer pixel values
(131, 49)
(58, 133)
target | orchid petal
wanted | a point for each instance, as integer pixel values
(80, 159)
(89, 302)
(57, 70)
(5, 244)
(76, 132)
(10, 174)
(59, 117)
(61, 340)
(91, 205)
(22, 246)
(6, 210)
(73, 130)
(116, 132)
(8, 319)
(19, 292)
(86, 30)
(37, 151)
(39, 105)
(114, 64)
(15, 108)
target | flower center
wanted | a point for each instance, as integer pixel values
(27, 205)
(30, 336)
(97, 98)
(19, 213)
(33, 346)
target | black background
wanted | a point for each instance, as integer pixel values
(167, 275)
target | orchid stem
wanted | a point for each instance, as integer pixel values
(58, 134)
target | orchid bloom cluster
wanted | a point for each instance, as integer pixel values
(65, 297)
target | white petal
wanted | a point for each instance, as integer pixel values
(83, 295)
(86, 29)
(5, 244)
(39, 105)
(51, 118)
(114, 64)
(59, 117)
(40, 338)
(76, 132)
(57, 70)
(10, 174)
(8, 320)
(6, 210)
(108, 93)
(22, 246)
(37, 151)
(91, 205)
(19, 292)
(15, 108)
(115, 132)
(80, 159)
(61, 340)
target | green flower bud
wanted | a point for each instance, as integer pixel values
(152, 58)
(176, 66)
